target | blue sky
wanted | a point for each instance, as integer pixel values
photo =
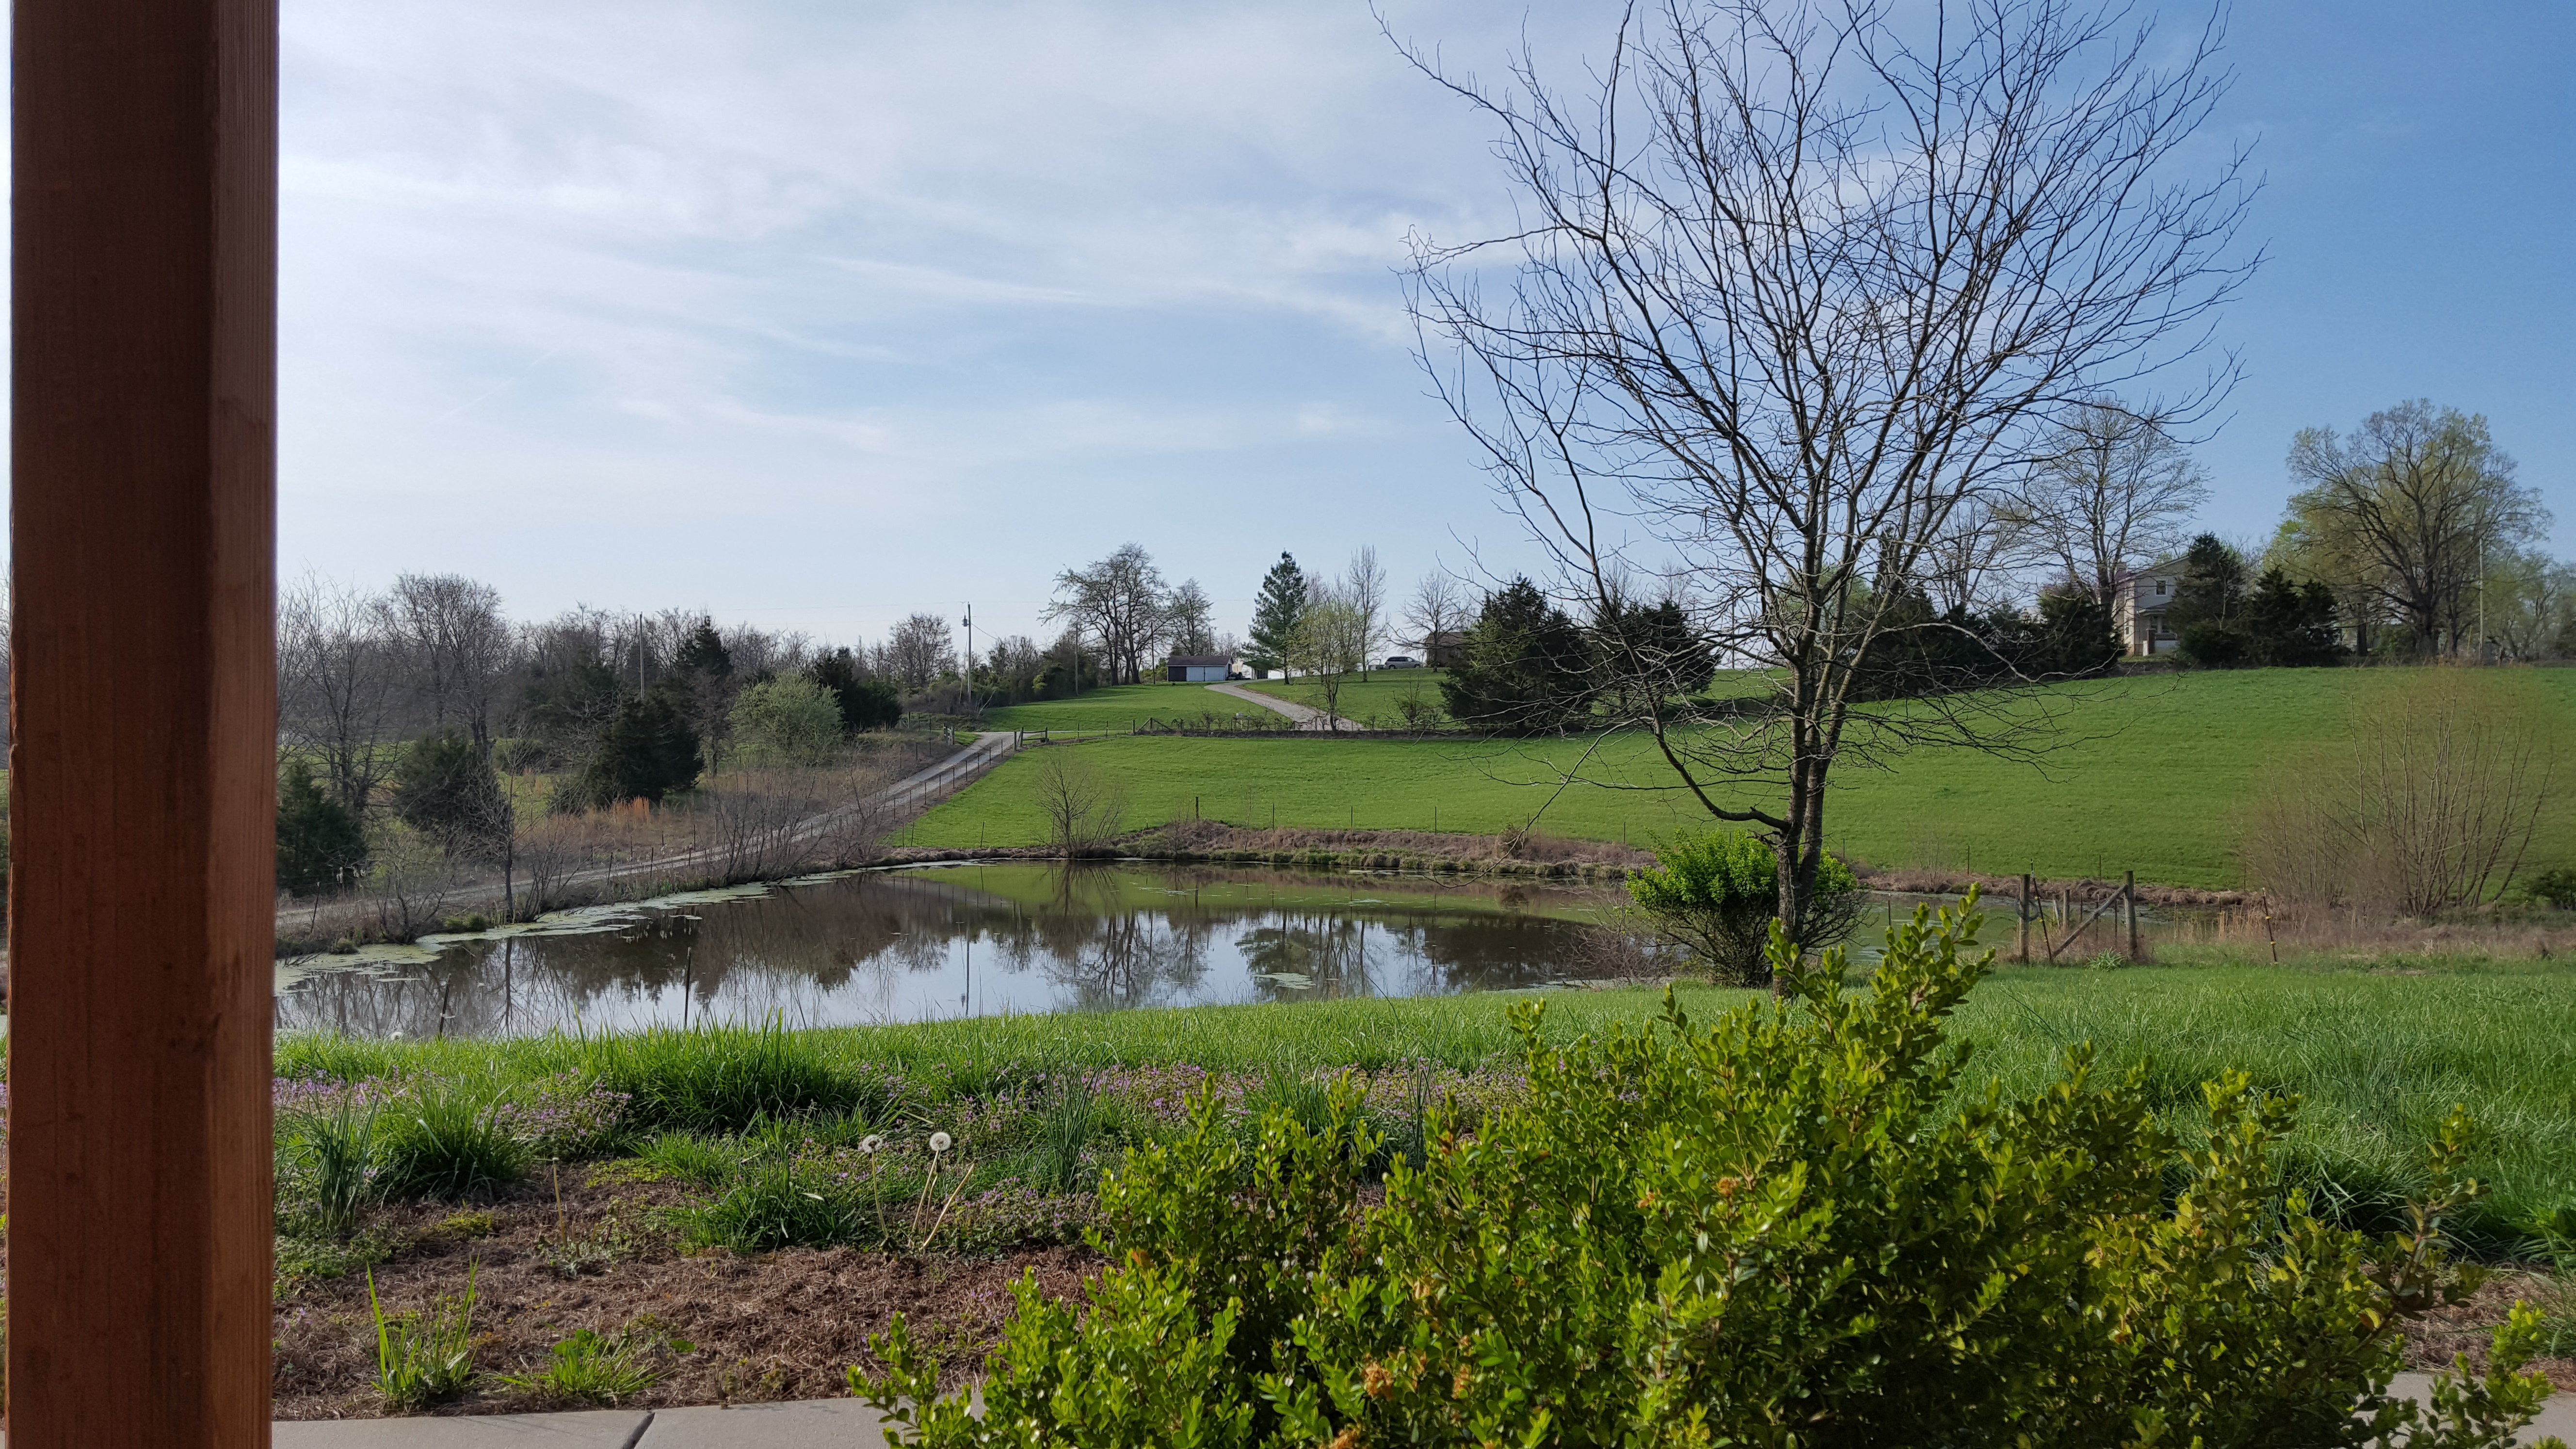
(815, 315)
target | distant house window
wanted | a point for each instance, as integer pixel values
(2160, 588)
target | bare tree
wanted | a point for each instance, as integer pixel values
(1082, 805)
(1331, 643)
(335, 684)
(1119, 600)
(2529, 604)
(920, 649)
(455, 645)
(1970, 564)
(1440, 608)
(1014, 664)
(2405, 510)
(1189, 619)
(2110, 489)
(1364, 590)
(1791, 285)
(757, 653)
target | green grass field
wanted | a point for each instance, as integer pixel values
(1381, 695)
(1115, 707)
(2377, 1058)
(2151, 774)
(1378, 698)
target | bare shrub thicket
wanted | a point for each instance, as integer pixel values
(759, 824)
(742, 825)
(1084, 807)
(2427, 803)
(415, 883)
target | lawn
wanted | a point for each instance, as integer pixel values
(2377, 1058)
(1114, 707)
(1378, 699)
(2148, 775)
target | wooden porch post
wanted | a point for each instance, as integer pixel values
(143, 343)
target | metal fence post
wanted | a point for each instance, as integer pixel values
(2129, 888)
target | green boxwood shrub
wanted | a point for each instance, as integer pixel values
(1801, 1225)
(1716, 894)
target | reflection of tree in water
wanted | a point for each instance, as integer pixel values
(1329, 951)
(865, 947)
(1100, 952)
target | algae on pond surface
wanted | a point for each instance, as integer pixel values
(960, 939)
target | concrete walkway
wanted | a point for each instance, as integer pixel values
(1306, 718)
(814, 1424)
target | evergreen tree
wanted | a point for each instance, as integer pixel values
(1276, 611)
(567, 707)
(319, 843)
(2291, 625)
(1648, 652)
(1525, 668)
(648, 750)
(2208, 610)
(1919, 652)
(703, 653)
(866, 703)
(445, 789)
(2074, 638)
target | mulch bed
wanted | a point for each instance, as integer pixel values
(2433, 1339)
(774, 1326)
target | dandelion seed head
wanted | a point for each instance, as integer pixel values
(939, 1141)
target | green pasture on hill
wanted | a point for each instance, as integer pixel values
(1118, 707)
(2151, 774)
(1378, 699)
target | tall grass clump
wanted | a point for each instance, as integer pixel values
(1071, 1120)
(788, 1204)
(592, 1367)
(725, 1078)
(446, 1139)
(426, 1356)
(335, 1148)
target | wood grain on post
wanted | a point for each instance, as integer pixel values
(142, 449)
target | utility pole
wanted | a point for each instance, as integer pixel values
(973, 707)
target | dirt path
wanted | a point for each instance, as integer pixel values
(1306, 718)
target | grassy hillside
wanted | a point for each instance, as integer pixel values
(2150, 774)
(1380, 696)
(1117, 707)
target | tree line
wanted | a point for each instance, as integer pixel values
(410, 704)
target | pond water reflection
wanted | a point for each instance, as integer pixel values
(911, 945)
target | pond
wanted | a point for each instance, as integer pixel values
(926, 943)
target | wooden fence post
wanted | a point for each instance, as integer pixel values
(2021, 908)
(142, 766)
